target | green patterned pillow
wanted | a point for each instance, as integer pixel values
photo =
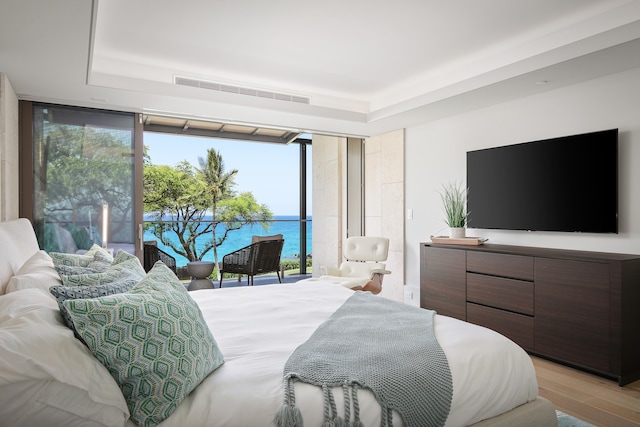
(122, 264)
(125, 260)
(152, 339)
(101, 261)
(69, 270)
(118, 284)
(133, 265)
(71, 260)
(94, 249)
(77, 260)
(122, 256)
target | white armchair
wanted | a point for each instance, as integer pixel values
(363, 267)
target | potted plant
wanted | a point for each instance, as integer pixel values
(454, 198)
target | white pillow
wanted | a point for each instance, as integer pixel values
(37, 272)
(47, 404)
(38, 261)
(46, 373)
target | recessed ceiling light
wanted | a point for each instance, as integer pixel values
(542, 82)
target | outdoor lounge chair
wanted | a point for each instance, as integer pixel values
(261, 256)
(152, 254)
(363, 267)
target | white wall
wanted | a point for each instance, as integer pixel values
(9, 188)
(329, 223)
(384, 202)
(384, 192)
(436, 154)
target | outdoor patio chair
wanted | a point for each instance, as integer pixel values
(152, 254)
(261, 256)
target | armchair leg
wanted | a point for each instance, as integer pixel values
(374, 285)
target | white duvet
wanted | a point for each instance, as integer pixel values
(257, 328)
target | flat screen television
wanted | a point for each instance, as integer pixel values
(565, 184)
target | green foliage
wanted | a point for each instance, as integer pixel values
(184, 194)
(294, 264)
(220, 186)
(177, 193)
(85, 167)
(454, 200)
(212, 171)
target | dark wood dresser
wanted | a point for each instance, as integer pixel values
(575, 307)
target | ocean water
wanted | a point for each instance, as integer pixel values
(288, 226)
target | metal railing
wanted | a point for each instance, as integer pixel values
(291, 228)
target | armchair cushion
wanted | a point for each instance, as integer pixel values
(255, 239)
(359, 269)
(366, 248)
(347, 282)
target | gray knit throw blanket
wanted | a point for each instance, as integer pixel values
(378, 344)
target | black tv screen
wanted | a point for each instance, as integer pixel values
(561, 184)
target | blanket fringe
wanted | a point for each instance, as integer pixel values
(289, 415)
(356, 406)
(386, 417)
(331, 418)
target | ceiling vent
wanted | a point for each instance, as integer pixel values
(223, 87)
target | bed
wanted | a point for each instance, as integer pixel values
(49, 377)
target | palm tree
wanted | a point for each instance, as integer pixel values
(219, 184)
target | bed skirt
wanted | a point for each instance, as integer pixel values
(537, 413)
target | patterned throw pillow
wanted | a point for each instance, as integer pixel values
(125, 260)
(153, 340)
(68, 270)
(77, 260)
(71, 260)
(101, 261)
(94, 249)
(124, 263)
(122, 256)
(119, 284)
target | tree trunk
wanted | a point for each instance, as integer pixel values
(213, 234)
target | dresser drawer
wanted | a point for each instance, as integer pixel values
(517, 327)
(512, 266)
(508, 294)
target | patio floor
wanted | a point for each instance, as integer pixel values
(267, 279)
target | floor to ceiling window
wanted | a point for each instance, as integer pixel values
(82, 177)
(83, 169)
(273, 173)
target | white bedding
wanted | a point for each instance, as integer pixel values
(257, 328)
(48, 377)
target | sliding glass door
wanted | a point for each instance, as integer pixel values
(83, 178)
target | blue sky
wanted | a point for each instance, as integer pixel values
(269, 171)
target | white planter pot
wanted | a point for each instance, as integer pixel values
(457, 232)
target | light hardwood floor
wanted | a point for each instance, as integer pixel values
(589, 397)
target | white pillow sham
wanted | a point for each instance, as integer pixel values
(37, 272)
(46, 373)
